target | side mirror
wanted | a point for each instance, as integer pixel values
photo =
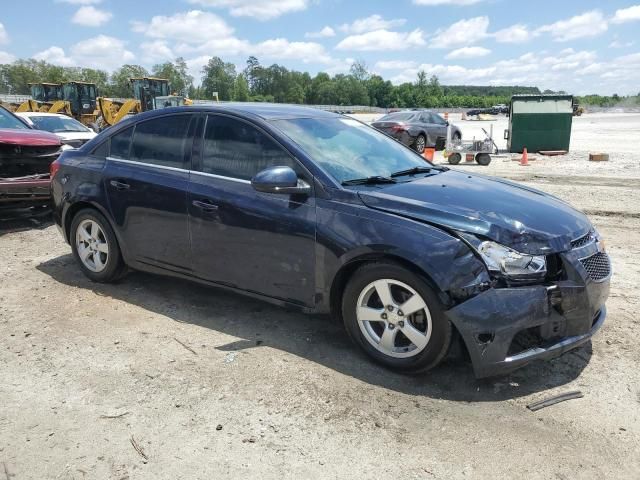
(280, 180)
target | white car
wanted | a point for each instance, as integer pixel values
(72, 133)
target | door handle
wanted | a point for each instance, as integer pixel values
(119, 185)
(205, 205)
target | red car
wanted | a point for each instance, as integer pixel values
(25, 157)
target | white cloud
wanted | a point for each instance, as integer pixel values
(4, 36)
(190, 27)
(371, 23)
(394, 64)
(588, 24)
(80, 2)
(196, 32)
(91, 17)
(6, 57)
(156, 51)
(102, 52)
(469, 52)
(568, 70)
(518, 33)
(463, 32)
(282, 48)
(618, 44)
(627, 14)
(327, 31)
(445, 2)
(383, 40)
(56, 56)
(259, 9)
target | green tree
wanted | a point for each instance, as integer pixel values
(218, 76)
(177, 74)
(241, 89)
(120, 87)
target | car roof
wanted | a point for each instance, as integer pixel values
(266, 111)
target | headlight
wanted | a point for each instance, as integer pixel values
(509, 263)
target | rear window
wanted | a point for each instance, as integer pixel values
(398, 116)
(120, 144)
(9, 120)
(162, 141)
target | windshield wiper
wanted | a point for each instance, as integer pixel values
(412, 171)
(373, 180)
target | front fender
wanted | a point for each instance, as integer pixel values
(350, 233)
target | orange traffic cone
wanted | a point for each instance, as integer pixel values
(524, 161)
(428, 153)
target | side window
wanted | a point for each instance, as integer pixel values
(233, 148)
(425, 118)
(101, 150)
(120, 144)
(162, 141)
(437, 119)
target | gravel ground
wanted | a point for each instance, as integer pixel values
(157, 378)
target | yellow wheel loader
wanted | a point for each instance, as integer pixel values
(16, 106)
(82, 99)
(112, 111)
(150, 93)
(47, 98)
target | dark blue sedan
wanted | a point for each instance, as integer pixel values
(318, 211)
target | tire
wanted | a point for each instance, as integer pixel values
(454, 158)
(420, 144)
(409, 343)
(483, 159)
(96, 251)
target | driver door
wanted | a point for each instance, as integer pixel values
(259, 242)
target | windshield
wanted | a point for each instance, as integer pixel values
(347, 149)
(8, 120)
(397, 116)
(57, 124)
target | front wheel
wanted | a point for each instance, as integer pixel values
(395, 317)
(420, 143)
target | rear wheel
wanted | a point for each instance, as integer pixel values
(95, 247)
(395, 317)
(420, 143)
(483, 159)
(454, 158)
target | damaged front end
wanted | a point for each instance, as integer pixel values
(521, 318)
(24, 169)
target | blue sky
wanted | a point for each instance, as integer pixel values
(581, 46)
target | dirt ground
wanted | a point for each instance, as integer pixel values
(157, 378)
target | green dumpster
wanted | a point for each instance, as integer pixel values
(540, 123)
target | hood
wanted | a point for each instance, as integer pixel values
(27, 137)
(519, 217)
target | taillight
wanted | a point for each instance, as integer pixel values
(400, 127)
(53, 168)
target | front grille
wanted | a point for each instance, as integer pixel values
(582, 241)
(597, 266)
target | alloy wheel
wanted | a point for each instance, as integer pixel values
(92, 245)
(394, 318)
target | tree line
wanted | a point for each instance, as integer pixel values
(276, 83)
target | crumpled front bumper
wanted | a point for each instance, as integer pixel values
(551, 319)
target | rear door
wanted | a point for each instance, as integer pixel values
(439, 126)
(147, 179)
(260, 242)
